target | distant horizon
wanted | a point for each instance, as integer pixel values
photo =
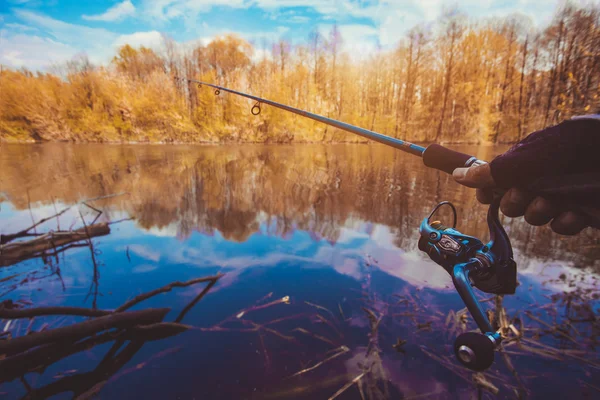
(38, 34)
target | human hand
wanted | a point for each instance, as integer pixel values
(517, 202)
(563, 158)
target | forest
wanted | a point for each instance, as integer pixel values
(457, 80)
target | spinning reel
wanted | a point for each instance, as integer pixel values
(489, 267)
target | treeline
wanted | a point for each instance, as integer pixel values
(456, 81)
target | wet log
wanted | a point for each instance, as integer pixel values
(15, 313)
(80, 330)
(40, 358)
(16, 252)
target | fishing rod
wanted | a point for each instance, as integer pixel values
(434, 155)
(489, 267)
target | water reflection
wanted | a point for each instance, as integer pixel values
(332, 227)
(327, 191)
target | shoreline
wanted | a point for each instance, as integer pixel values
(219, 143)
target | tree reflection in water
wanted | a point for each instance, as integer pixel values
(374, 335)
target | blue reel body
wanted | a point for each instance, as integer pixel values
(488, 267)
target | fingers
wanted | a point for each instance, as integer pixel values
(514, 202)
(540, 211)
(517, 203)
(536, 210)
(477, 176)
(485, 196)
(568, 223)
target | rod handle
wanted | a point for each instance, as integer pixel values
(444, 159)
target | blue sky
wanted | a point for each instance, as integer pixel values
(38, 33)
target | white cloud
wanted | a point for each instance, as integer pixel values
(152, 39)
(164, 10)
(145, 252)
(95, 42)
(20, 27)
(118, 12)
(33, 52)
(65, 32)
(140, 269)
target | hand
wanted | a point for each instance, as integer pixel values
(516, 203)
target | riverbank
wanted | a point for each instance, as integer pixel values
(10, 140)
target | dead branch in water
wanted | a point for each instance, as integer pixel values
(164, 289)
(13, 253)
(4, 239)
(83, 329)
(14, 313)
(35, 351)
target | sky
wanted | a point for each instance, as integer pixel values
(37, 34)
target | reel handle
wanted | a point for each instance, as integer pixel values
(462, 283)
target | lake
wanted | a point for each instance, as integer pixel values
(323, 284)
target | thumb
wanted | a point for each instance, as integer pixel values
(477, 176)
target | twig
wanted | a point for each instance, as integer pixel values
(29, 326)
(165, 289)
(347, 385)
(341, 350)
(341, 312)
(96, 275)
(314, 335)
(552, 328)
(481, 382)
(108, 196)
(522, 391)
(196, 299)
(99, 212)
(320, 308)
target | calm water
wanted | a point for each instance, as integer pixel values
(332, 227)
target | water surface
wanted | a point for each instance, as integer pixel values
(309, 237)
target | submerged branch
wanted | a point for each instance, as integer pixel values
(7, 313)
(83, 329)
(13, 253)
(164, 289)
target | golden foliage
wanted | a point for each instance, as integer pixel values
(460, 81)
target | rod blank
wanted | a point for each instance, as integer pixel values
(378, 137)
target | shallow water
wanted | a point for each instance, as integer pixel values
(332, 227)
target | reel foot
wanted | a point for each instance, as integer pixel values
(474, 350)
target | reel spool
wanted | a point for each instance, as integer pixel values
(488, 267)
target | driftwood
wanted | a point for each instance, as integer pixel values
(16, 252)
(36, 351)
(39, 358)
(7, 313)
(25, 232)
(86, 385)
(83, 329)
